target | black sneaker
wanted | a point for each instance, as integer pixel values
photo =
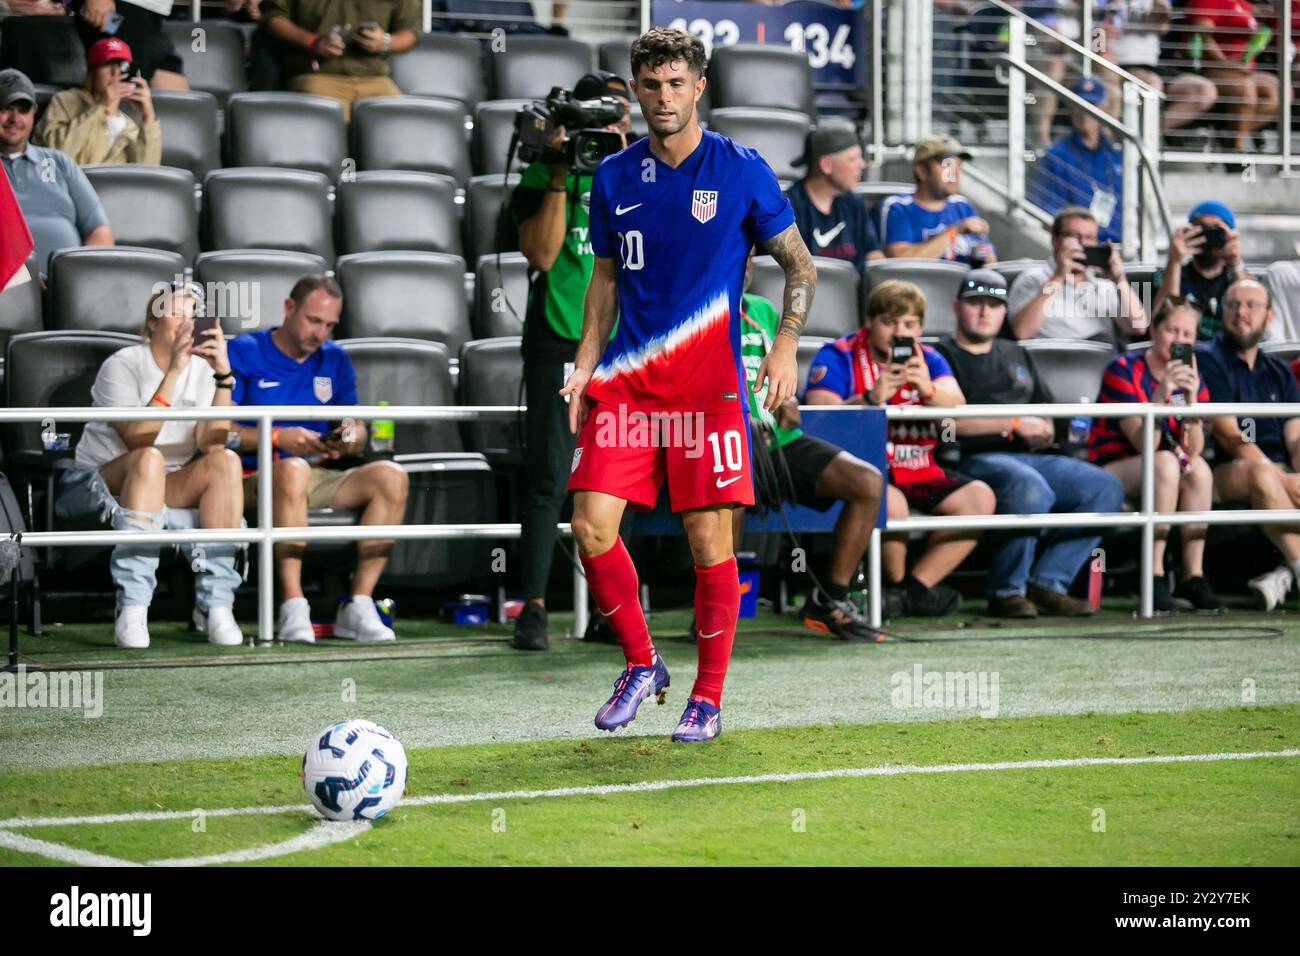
(839, 618)
(599, 631)
(894, 603)
(1201, 596)
(937, 601)
(1162, 602)
(530, 629)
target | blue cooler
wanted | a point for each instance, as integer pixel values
(747, 567)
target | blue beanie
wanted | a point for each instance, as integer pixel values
(1212, 207)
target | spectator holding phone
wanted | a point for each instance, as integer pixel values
(1080, 292)
(1165, 373)
(1204, 260)
(884, 363)
(109, 119)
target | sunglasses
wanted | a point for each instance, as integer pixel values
(22, 107)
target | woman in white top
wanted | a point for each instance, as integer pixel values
(148, 475)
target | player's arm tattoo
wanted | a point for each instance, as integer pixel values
(788, 249)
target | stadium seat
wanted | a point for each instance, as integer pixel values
(403, 371)
(808, 347)
(1012, 268)
(393, 210)
(1288, 350)
(483, 201)
(218, 67)
(491, 373)
(287, 130)
(1071, 371)
(410, 132)
(107, 289)
(190, 135)
(875, 190)
(1143, 272)
(414, 295)
(535, 64)
(835, 304)
(500, 296)
(777, 134)
(246, 288)
(442, 65)
(761, 75)
(494, 125)
(938, 279)
(20, 310)
(1284, 284)
(616, 57)
(150, 206)
(47, 49)
(268, 209)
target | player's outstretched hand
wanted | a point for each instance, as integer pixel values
(780, 373)
(574, 392)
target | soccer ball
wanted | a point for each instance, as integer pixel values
(355, 770)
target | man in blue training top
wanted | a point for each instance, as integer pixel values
(298, 364)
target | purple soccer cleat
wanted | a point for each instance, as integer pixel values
(701, 721)
(633, 686)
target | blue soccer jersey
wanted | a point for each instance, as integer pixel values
(902, 219)
(680, 238)
(266, 376)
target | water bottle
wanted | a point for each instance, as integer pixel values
(1080, 426)
(382, 431)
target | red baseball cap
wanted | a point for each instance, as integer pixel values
(106, 51)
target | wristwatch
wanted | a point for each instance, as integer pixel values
(232, 440)
(388, 41)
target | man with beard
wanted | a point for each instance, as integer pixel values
(1260, 456)
(1204, 259)
(936, 221)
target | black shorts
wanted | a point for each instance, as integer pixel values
(807, 458)
(928, 494)
(141, 30)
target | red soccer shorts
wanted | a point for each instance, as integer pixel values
(627, 454)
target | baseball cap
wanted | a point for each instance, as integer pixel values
(597, 84)
(1213, 207)
(940, 146)
(106, 51)
(983, 283)
(826, 139)
(15, 86)
(1091, 90)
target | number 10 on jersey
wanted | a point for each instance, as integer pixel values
(631, 250)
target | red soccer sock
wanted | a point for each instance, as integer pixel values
(612, 579)
(717, 605)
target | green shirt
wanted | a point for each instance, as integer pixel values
(320, 16)
(756, 336)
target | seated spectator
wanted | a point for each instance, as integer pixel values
(1257, 456)
(342, 52)
(1204, 260)
(820, 473)
(1183, 480)
(832, 220)
(140, 474)
(935, 222)
(1031, 571)
(110, 119)
(140, 26)
(866, 368)
(1227, 41)
(56, 198)
(1066, 299)
(1085, 168)
(298, 364)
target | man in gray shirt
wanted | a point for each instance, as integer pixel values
(56, 198)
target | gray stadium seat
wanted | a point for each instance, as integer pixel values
(410, 132)
(761, 75)
(107, 288)
(1070, 370)
(287, 130)
(835, 304)
(20, 310)
(218, 68)
(616, 57)
(777, 134)
(938, 279)
(1284, 284)
(414, 295)
(873, 191)
(491, 371)
(442, 65)
(392, 210)
(483, 200)
(494, 124)
(190, 136)
(268, 209)
(1287, 350)
(47, 49)
(500, 297)
(404, 371)
(246, 288)
(150, 206)
(534, 64)
(1012, 268)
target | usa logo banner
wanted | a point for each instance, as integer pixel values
(323, 386)
(704, 204)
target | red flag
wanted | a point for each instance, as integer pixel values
(15, 238)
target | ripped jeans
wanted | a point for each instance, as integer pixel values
(82, 491)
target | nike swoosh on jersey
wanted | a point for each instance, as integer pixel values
(705, 637)
(263, 383)
(723, 484)
(825, 239)
(619, 210)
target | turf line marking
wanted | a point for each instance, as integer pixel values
(58, 852)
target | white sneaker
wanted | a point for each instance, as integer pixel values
(131, 627)
(219, 624)
(294, 625)
(1272, 588)
(359, 621)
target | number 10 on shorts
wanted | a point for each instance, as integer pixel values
(730, 443)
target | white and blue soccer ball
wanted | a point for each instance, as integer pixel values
(355, 770)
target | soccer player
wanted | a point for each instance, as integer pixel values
(673, 218)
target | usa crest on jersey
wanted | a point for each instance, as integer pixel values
(323, 387)
(704, 204)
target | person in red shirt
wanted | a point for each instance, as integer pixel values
(1227, 42)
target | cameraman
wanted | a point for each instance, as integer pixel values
(550, 208)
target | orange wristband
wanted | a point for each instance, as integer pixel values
(161, 401)
(310, 45)
(1015, 423)
(275, 438)
(934, 390)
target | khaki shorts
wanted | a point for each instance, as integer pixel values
(345, 89)
(322, 486)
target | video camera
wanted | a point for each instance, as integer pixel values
(585, 142)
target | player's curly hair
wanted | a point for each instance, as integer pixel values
(661, 45)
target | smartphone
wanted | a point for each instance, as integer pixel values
(202, 323)
(1181, 352)
(368, 25)
(128, 71)
(112, 22)
(903, 349)
(1216, 237)
(1096, 256)
(334, 434)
